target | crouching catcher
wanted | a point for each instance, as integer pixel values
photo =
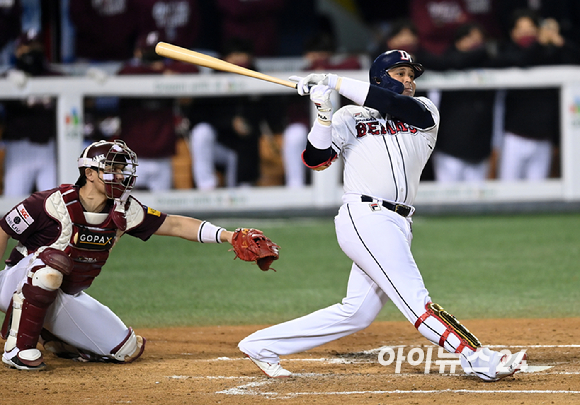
(64, 238)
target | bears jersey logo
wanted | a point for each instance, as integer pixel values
(378, 128)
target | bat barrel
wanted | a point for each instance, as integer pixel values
(200, 59)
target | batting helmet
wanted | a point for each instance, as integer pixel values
(378, 73)
(117, 162)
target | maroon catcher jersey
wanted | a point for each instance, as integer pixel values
(30, 224)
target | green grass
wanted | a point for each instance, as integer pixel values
(476, 267)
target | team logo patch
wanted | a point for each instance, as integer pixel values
(19, 219)
(374, 206)
(153, 212)
(95, 240)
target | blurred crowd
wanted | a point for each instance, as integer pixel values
(507, 134)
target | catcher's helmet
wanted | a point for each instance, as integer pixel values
(378, 72)
(117, 162)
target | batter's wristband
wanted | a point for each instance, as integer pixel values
(320, 135)
(209, 233)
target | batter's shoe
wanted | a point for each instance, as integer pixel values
(493, 366)
(29, 359)
(511, 364)
(271, 370)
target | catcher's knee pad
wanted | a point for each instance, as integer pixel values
(46, 278)
(49, 276)
(130, 349)
(442, 328)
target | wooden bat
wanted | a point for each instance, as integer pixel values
(196, 58)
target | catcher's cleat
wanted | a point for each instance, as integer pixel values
(271, 370)
(30, 359)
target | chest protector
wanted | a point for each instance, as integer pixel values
(89, 245)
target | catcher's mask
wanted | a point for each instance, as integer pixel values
(117, 162)
(379, 71)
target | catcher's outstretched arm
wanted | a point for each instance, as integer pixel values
(193, 229)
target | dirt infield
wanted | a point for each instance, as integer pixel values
(203, 366)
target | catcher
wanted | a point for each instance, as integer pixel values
(64, 238)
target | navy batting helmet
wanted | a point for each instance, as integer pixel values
(378, 73)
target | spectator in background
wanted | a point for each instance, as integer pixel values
(29, 124)
(254, 21)
(565, 12)
(319, 54)
(148, 125)
(402, 34)
(104, 30)
(226, 130)
(10, 29)
(177, 20)
(380, 19)
(464, 143)
(438, 20)
(532, 116)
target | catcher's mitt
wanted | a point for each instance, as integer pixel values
(251, 245)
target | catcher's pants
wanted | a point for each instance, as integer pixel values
(377, 240)
(78, 320)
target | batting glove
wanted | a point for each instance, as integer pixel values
(306, 83)
(320, 96)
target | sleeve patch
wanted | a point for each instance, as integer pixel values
(19, 219)
(152, 211)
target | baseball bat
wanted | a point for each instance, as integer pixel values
(197, 58)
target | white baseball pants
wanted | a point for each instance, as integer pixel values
(206, 152)
(79, 319)
(294, 142)
(451, 169)
(155, 174)
(379, 243)
(524, 159)
(29, 167)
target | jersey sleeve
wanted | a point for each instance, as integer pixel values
(430, 134)
(28, 218)
(430, 106)
(149, 220)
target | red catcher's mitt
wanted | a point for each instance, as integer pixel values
(251, 245)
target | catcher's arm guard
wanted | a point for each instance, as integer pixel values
(251, 245)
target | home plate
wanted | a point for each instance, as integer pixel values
(535, 369)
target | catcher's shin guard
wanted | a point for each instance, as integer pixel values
(444, 329)
(29, 307)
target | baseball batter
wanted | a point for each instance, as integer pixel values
(385, 141)
(65, 235)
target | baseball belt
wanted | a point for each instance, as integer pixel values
(400, 209)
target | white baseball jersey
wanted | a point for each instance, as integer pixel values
(383, 158)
